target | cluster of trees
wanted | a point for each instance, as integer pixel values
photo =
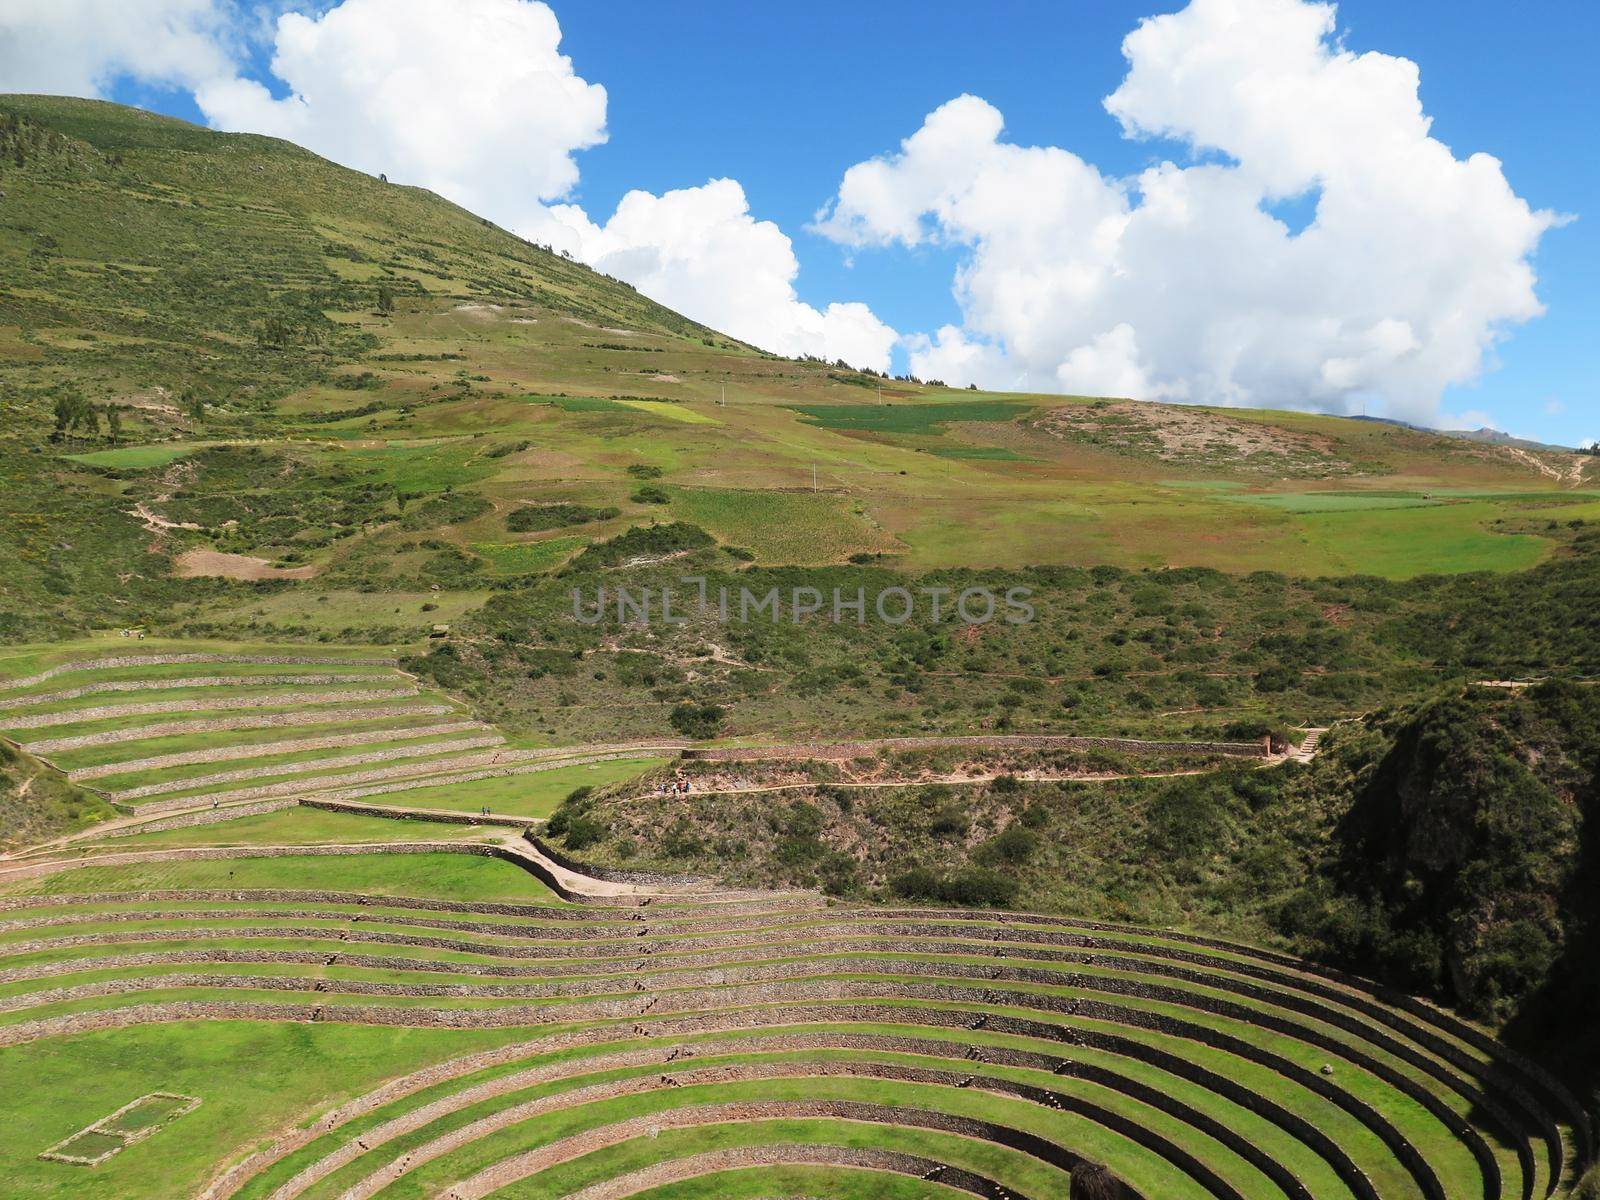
(286, 328)
(74, 415)
(1465, 861)
(21, 139)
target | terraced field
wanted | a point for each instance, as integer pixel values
(187, 733)
(660, 1033)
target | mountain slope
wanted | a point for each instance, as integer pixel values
(242, 384)
(123, 222)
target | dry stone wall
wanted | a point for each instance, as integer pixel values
(286, 720)
(160, 660)
(845, 751)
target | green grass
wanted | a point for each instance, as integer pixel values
(235, 1068)
(298, 827)
(1334, 502)
(135, 458)
(388, 729)
(671, 412)
(446, 876)
(534, 794)
(781, 527)
(977, 453)
(900, 418)
(526, 558)
(283, 765)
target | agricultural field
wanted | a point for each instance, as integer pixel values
(342, 855)
(390, 448)
(724, 1033)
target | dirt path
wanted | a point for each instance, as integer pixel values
(193, 564)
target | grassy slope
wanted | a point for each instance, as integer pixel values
(144, 259)
(37, 803)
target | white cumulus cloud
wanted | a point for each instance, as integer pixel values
(471, 98)
(81, 47)
(700, 251)
(1181, 283)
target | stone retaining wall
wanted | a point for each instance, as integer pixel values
(613, 874)
(162, 660)
(642, 1005)
(845, 751)
(778, 975)
(675, 1029)
(744, 1158)
(393, 754)
(518, 1167)
(106, 712)
(197, 681)
(266, 749)
(680, 1057)
(287, 720)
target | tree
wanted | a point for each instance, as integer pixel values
(277, 332)
(114, 423)
(194, 405)
(73, 412)
(385, 299)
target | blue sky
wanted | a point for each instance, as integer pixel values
(786, 98)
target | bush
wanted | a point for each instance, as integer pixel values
(644, 471)
(645, 540)
(697, 720)
(973, 887)
(583, 831)
(1012, 846)
(838, 874)
(950, 820)
(533, 518)
(650, 494)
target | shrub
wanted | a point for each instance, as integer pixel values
(533, 518)
(973, 887)
(950, 820)
(1013, 845)
(583, 831)
(697, 720)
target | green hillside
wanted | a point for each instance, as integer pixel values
(224, 351)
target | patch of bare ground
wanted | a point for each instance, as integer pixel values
(1174, 433)
(216, 564)
(1563, 468)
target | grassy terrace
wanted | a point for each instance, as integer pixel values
(1002, 1047)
